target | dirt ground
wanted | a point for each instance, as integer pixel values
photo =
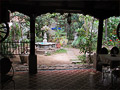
(53, 59)
(62, 58)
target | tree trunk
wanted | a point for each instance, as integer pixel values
(90, 47)
(0, 49)
(106, 21)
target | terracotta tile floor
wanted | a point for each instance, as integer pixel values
(81, 79)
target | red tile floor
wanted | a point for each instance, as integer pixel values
(81, 79)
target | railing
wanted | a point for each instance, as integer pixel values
(14, 48)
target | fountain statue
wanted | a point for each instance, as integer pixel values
(45, 38)
(45, 45)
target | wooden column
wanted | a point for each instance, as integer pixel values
(99, 41)
(100, 35)
(32, 56)
(0, 12)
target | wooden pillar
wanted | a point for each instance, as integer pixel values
(100, 35)
(4, 13)
(99, 41)
(32, 56)
(0, 11)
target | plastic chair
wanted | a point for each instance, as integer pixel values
(6, 72)
(114, 50)
(114, 71)
(114, 76)
(115, 66)
(104, 66)
(103, 51)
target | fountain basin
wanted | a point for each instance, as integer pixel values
(47, 45)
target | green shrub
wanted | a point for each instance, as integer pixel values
(61, 51)
(25, 40)
(68, 46)
(37, 39)
(48, 54)
(82, 58)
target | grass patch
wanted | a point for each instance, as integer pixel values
(82, 58)
(68, 46)
(48, 54)
(61, 51)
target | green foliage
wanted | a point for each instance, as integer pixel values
(80, 39)
(37, 39)
(87, 34)
(61, 51)
(84, 42)
(47, 54)
(48, 19)
(56, 52)
(111, 39)
(25, 40)
(59, 34)
(82, 58)
(85, 26)
(19, 26)
(68, 46)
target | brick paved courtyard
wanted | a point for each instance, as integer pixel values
(82, 79)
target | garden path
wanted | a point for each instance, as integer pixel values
(72, 53)
(55, 61)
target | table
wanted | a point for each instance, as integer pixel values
(108, 59)
(113, 62)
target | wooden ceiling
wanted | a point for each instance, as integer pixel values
(97, 8)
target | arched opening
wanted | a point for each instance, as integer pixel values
(75, 39)
(110, 38)
(18, 41)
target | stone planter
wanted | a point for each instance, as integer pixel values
(24, 58)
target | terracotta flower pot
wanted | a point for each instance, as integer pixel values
(58, 45)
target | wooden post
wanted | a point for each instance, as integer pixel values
(0, 49)
(32, 56)
(99, 41)
(0, 11)
(100, 35)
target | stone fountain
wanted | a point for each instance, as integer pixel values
(45, 46)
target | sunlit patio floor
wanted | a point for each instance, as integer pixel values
(81, 79)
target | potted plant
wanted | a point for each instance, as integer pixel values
(58, 45)
(24, 58)
(24, 51)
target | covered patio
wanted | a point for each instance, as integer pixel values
(61, 79)
(99, 9)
